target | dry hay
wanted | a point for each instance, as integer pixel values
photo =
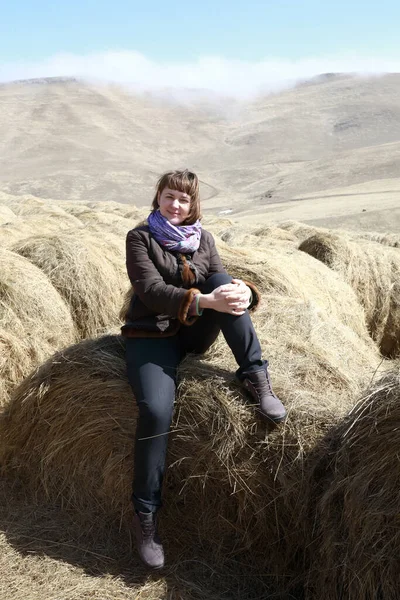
(74, 208)
(86, 273)
(373, 271)
(15, 363)
(238, 235)
(282, 269)
(49, 554)
(387, 239)
(70, 426)
(6, 215)
(34, 319)
(30, 206)
(301, 231)
(13, 231)
(106, 221)
(117, 208)
(356, 489)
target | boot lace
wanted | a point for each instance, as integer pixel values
(263, 386)
(148, 528)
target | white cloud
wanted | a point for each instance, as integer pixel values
(220, 76)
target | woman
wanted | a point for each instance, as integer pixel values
(182, 299)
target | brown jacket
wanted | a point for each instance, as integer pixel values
(161, 294)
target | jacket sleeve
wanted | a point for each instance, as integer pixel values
(215, 265)
(149, 285)
(255, 296)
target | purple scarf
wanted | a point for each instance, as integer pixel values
(180, 238)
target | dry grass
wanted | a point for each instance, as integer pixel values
(48, 554)
(301, 231)
(373, 271)
(6, 215)
(280, 268)
(235, 493)
(106, 221)
(34, 319)
(387, 239)
(255, 236)
(86, 277)
(229, 483)
(356, 489)
(15, 362)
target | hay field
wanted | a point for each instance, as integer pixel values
(243, 505)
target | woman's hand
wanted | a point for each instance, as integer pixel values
(232, 298)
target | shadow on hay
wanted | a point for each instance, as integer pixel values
(58, 512)
(88, 541)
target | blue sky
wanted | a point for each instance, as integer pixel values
(63, 35)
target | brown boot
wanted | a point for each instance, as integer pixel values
(258, 384)
(147, 541)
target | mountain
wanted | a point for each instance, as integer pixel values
(69, 139)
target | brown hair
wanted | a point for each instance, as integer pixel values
(183, 181)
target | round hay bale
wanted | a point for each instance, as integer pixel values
(301, 231)
(255, 237)
(282, 269)
(116, 208)
(12, 232)
(307, 346)
(34, 319)
(355, 501)
(107, 221)
(24, 204)
(7, 215)
(69, 431)
(75, 208)
(387, 239)
(30, 206)
(37, 215)
(373, 271)
(86, 277)
(15, 363)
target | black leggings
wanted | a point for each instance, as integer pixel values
(152, 364)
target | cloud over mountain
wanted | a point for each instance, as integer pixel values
(221, 76)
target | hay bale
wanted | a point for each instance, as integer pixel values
(301, 231)
(36, 215)
(74, 208)
(6, 215)
(34, 320)
(117, 208)
(282, 269)
(86, 273)
(78, 414)
(356, 499)
(387, 239)
(106, 221)
(253, 236)
(373, 271)
(15, 363)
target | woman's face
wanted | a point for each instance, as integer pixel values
(174, 205)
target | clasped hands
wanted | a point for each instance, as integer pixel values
(232, 298)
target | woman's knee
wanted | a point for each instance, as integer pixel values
(215, 281)
(156, 413)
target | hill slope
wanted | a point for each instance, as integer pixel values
(70, 140)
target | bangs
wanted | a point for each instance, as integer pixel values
(183, 181)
